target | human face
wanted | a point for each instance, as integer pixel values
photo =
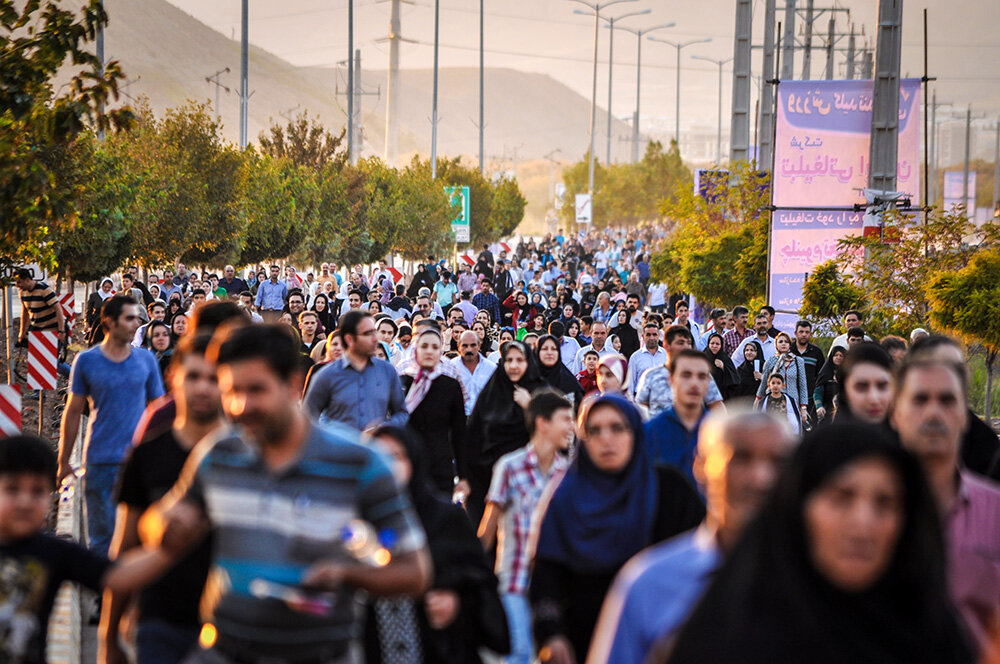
(515, 364)
(548, 353)
(229, 272)
(567, 311)
(617, 344)
(781, 345)
(930, 413)
(468, 346)
(198, 299)
(482, 317)
(363, 344)
(749, 352)
(775, 385)
(161, 339)
(682, 314)
(254, 396)
(679, 343)
(404, 340)
(539, 322)
(24, 504)
(573, 330)
(853, 523)
(246, 301)
(380, 352)
(308, 325)
(159, 313)
(354, 301)
(689, 381)
(480, 330)
(729, 323)
(196, 385)
(424, 306)
(651, 338)
(608, 439)
(506, 336)
(386, 332)
(803, 335)
(600, 334)
(869, 390)
(275, 273)
(760, 326)
(127, 323)
(428, 351)
(852, 320)
(334, 349)
(179, 325)
(522, 300)
(402, 468)
(590, 362)
(106, 286)
(558, 429)
(455, 316)
(714, 345)
(287, 319)
(296, 304)
(607, 381)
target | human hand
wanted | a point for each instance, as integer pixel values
(461, 492)
(820, 412)
(442, 608)
(183, 525)
(757, 375)
(65, 471)
(522, 397)
(719, 364)
(325, 575)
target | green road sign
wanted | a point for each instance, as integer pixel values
(460, 224)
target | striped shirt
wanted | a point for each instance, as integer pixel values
(42, 304)
(271, 526)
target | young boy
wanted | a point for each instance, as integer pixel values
(33, 564)
(588, 377)
(777, 403)
(518, 481)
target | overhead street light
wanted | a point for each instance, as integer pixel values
(679, 46)
(611, 56)
(720, 63)
(638, 79)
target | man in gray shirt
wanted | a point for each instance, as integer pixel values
(358, 390)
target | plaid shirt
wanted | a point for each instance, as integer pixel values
(731, 339)
(516, 488)
(490, 303)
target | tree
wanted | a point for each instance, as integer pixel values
(507, 210)
(452, 172)
(717, 249)
(304, 142)
(428, 213)
(966, 302)
(36, 121)
(827, 295)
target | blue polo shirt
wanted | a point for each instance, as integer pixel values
(671, 443)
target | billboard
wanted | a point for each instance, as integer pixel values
(953, 194)
(822, 143)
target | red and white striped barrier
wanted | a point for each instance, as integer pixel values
(67, 302)
(10, 410)
(43, 355)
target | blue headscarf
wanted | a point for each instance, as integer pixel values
(596, 521)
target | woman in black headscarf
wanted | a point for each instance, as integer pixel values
(749, 372)
(554, 372)
(462, 611)
(826, 384)
(723, 370)
(867, 385)
(845, 563)
(611, 503)
(496, 425)
(627, 334)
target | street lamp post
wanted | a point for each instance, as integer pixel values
(596, 8)
(679, 46)
(720, 63)
(638, 81)
(611, 55)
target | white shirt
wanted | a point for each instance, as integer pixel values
(657, 295)
(578, 361)
(642, 360)
(474, 381)
(567, 352)
(767, 346)
(842, 342)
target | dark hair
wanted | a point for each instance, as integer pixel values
(190, 345)
(855, 312)
(147, 335)
(212, 315)
(891, 342)
(114, 306)
(925, 361)
(688, 353)
(277, 345)
(544, 403)
(557, 329)
(591, 351)
(587, 320)
(650, 324)
(350, 321)
(775, 374)
(855, 332)
(28, 454)
(864, 353)
(197, 291)
(769, 309)
(932, 341)
(355, 291)
(154, 304)
(247, 293)
(25, 273)
(740, 310)
(803, 323)
(386, 319)
(682, 303)
(717, 313)
(675, 331)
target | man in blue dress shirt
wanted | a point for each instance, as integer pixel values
(739, 457)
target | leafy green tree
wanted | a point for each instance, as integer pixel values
(452, 172)
(426, 228)
(508, 208)
(304, 142)
(36, 121)
(826, 294)
(966, 302)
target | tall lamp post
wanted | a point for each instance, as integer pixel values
(611, 57)
(596, 8)
(638, 80)
(679, 46)
(720, 63)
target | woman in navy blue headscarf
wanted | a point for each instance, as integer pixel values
(611, 503)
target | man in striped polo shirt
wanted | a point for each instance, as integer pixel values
(40, 308)
(279, 492)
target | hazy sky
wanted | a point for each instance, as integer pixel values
(545, 36)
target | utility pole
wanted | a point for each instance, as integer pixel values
(739, 133)
(638, 82)
(434, 111)
(99, 52)
(356, 106)
(788, 43)
(885, 112)
(996, 170)
(482, 89)
(830, 28)
(392, 94)
(214, 79)
(677, 94)
(244, 71)
(850, 55)
(766, 131)
(807, 42)
(611, 56)
(970, 210)
(867, 65)
(350, 83)
(718, 140)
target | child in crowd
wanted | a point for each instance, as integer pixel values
(588, 377)
(779, 404)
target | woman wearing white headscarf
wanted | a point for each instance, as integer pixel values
(436, 406)
(96, 300)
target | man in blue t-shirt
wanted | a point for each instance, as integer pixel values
(117, 380)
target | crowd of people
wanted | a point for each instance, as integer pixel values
(542, 454)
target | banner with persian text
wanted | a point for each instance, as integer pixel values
(822, 143)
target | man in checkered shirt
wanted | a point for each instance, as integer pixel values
(519, 479)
